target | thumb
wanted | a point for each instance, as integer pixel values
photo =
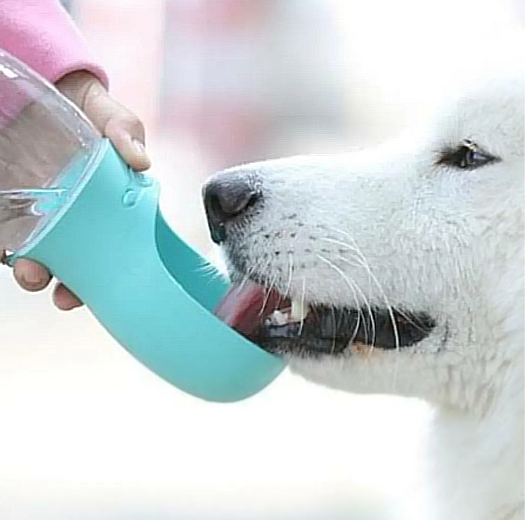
(126, 133)
(118, 124)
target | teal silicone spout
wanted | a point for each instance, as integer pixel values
(69, 202)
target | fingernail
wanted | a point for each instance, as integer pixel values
(70, 306)
(30, 276)
(141, 149)
(32, 279)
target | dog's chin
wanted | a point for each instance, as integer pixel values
(300, 329)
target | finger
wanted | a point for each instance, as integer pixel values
(30, 275)
(120, 125)
(126, 133)
(113, 120)
(64, 299)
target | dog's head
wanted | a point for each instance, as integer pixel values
(397, 269)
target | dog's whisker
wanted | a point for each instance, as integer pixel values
(365, 264)
(332, 350)
(245, 278)
(290, 275)
(302, 304)
(369, 311)
(351, 285)
(341, 244)
(268, 291)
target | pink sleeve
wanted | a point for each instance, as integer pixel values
(41, 34)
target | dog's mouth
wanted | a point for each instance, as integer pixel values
(283, 326)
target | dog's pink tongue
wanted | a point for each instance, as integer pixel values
(246, 306)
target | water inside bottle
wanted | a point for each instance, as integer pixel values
(36, 201)
(47, 149)
(24, 210)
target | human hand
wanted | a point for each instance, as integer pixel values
(125, 131)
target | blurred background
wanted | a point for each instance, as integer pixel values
(88, 433)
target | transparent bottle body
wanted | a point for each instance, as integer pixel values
(46, 150)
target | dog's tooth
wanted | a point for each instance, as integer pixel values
(299, 310)
(278, 318)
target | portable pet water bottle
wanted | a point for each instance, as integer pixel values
(68, 202)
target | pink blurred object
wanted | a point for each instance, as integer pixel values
(127, 35)
(41, 34)
(210, 86)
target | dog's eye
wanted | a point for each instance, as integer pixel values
(467, 156)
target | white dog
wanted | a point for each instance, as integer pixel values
(400, 270)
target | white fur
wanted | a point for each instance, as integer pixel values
(390, 227)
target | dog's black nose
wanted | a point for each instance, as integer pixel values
(226, 196)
